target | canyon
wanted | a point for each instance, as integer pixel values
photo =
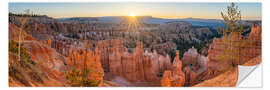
(168, 54)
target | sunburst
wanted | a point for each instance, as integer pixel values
(132, 14)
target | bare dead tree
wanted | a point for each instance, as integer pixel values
(23, 21)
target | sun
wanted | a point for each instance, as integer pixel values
(132, 14)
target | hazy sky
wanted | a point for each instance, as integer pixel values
(162, 10)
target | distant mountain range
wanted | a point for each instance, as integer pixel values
(149, 20)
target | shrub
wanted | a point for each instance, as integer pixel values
(13, 47)
(76, 78)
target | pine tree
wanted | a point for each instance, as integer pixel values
(232, 20)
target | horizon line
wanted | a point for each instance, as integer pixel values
(139, 16)
(146, 16)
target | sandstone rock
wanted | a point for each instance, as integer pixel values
(229, 51)
(256, 32)
(45, 68)
(138, 66)
(177, 77)
(234, 49)
(115, 64)
(226, 79)
(164, 47)
(194, 65)
(14, 32)
(177, 73)
(191, 76)
(105, 48)
(254, 61)
(82, 59)
(160, 62)
(167, 79)
(44, 65)
(49, 42)
(40, 54)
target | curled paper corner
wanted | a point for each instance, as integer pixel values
(249, 76)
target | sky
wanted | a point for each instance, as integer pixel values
(176, 10)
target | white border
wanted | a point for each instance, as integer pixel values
(4, 39)
(135, 1)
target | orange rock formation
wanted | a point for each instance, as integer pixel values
(82, 60)
(138, 66)
(194, 65)
(176, 76)
(229, 51)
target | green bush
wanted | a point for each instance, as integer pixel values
(13, 47)
(75, 78)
